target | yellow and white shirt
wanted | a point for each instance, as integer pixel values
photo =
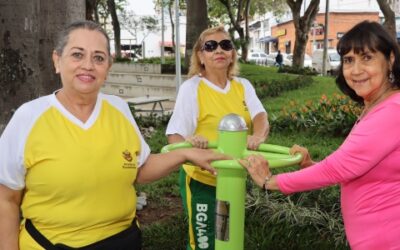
(200, 106)
(78, 177)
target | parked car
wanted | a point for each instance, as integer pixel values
(257, 57)
(307, 60)
(332, 60)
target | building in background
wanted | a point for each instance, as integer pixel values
(149, 43)
(269, 34)
(339, 23)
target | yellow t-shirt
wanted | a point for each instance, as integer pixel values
(213, 106)
(79, 177)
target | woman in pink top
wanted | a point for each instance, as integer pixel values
(367, 164)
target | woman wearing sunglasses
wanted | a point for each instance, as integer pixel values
(211, 92)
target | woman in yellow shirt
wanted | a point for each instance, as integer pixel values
(212, 92)
(69, 160)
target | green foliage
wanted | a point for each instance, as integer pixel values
(319, 86)
(168, 67)
(297, 70)
(154, 120)
(132, 23)
(281, 222)
(122, 60)
(260, 73)
(276, 87)
(153, 129)
(159, 190)
(157, 60)
(269, 83)
(334, 116)
(318, 146)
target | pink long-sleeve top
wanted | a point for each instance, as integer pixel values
(367, 166)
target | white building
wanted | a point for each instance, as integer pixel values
(151, 43)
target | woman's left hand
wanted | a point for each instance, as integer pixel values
(257, 167)
(253, 141)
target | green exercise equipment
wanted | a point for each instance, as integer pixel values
(231, 177)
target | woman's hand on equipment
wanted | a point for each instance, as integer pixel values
(204, 157)
(307, 161)
(257, 167)
(253, 141)
(198, 141)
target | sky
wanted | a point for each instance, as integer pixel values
(142, 7)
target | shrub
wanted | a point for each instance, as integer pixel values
(154, 120)
(171, 69)
(157, 60)
(335, 116)
(298, 70)
(275, 87)
(294, 222)
(122, 60)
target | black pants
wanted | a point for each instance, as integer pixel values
(129, 239)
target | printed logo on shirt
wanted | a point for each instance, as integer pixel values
(245, 106)
(128, 157)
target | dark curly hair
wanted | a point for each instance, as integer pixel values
(372, 36)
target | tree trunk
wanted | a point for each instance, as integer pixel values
(196, 22)
(390, 19)
(91, 7)
(245, 43)
(172, 25)
(26, 45)
(235, 22)
(116, 27)
(302, 26)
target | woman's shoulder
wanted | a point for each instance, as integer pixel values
(35, 106)
(191, 82)
(112, 99)
(28, 113)
(387, 108)
(190, 86)
(392, 101)
(243, 81)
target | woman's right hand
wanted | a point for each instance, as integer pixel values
(204, 157)
(307, 161)
(198, 141)
(257, 167)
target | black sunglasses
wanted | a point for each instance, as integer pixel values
(212, 45)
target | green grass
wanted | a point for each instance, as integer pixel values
(320, 86)
(168, 235)
(257, 72)
(319, 147)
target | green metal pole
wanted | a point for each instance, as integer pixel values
(231, 185)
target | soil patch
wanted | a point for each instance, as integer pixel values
(156, 211)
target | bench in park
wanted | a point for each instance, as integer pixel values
(156, 101)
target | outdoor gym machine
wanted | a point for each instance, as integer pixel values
(231, 178)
